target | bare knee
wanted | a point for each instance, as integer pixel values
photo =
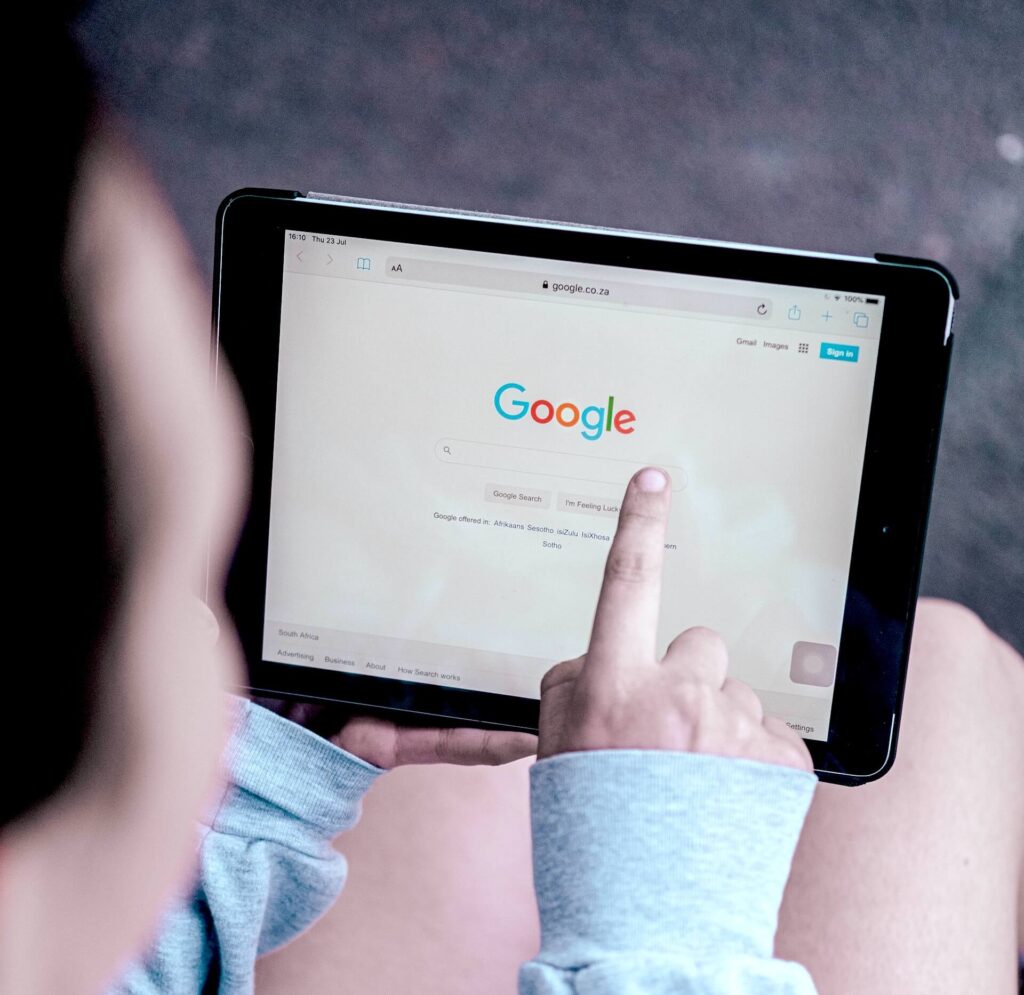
(949, 618)
(963, 634)
(958, 663)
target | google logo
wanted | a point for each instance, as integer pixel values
(594, 419)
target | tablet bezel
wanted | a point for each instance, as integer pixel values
(902, 439)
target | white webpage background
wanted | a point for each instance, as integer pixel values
(372, 375)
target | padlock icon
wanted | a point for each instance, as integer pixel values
(545, 284)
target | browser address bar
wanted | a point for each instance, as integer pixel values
(591, 289)
(546, 463)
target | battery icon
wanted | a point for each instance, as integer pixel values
(870, 300)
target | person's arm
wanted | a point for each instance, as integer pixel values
(662, 872)
(666, 805)
(267, 869)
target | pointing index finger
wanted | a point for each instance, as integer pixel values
(626, 621)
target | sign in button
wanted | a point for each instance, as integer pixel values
(835, 350)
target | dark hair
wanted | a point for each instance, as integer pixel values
(63, 565)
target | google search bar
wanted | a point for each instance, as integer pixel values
(589, 289)
(546, 463)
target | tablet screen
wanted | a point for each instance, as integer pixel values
(454, 431)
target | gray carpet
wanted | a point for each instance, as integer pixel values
(845, 127)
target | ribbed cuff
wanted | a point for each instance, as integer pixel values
(295, 770)
(663, 851)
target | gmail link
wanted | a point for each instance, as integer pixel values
(548, 463)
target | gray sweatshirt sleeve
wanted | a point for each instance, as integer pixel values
(267, 869)
(662, 872)
(655, 872)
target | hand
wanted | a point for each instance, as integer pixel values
(619, 695)
(387, 744)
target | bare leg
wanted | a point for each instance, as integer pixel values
(913, 883)
(907, 885)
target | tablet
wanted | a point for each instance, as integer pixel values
(445, 408)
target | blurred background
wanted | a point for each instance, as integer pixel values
(857, 128)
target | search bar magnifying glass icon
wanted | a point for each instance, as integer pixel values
(447, 450)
